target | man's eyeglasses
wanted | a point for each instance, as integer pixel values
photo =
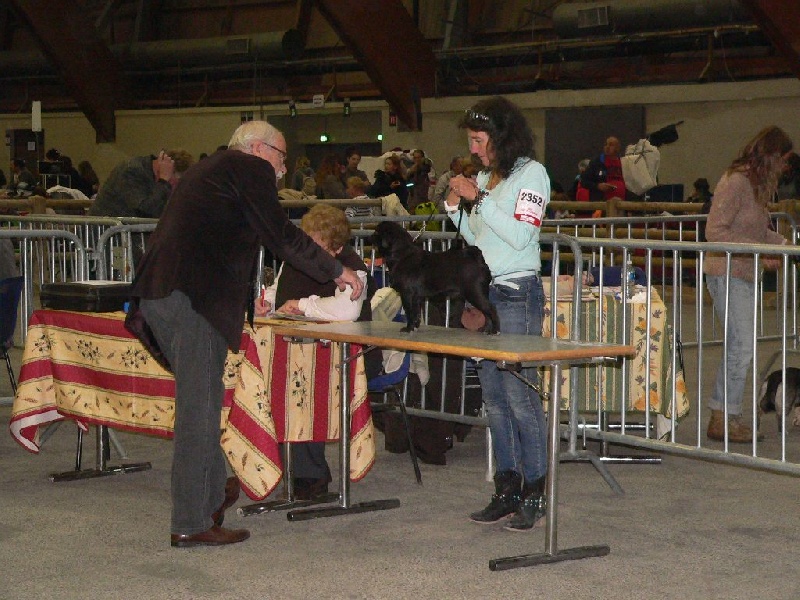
(278, 150)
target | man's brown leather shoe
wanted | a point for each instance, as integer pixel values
(231, 496)
(216, 536)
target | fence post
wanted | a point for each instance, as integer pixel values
(38, 205)
(612, 207)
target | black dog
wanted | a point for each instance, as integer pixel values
(772, 396)
(418, 274)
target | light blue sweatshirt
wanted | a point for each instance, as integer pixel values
(509, 245)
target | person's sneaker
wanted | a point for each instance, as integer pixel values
(530, 511)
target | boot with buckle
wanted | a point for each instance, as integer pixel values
(532, 507)
(504, 501)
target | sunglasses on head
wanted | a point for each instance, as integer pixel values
(476, 116)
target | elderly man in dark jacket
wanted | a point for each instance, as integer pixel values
(190, 296)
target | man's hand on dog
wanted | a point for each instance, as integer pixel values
(349, 277)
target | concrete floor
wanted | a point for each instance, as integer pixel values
(684, 529)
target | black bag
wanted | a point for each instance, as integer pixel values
(86, 296)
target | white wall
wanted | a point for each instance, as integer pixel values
(718, 119)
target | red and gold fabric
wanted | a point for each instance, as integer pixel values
(88, 367)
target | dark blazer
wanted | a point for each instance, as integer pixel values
(207, 241)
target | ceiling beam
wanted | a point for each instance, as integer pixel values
(780, 21)
(92, 74)
(387, 43)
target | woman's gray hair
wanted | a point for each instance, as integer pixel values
(252, 131)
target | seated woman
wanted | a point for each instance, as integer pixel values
(295, 293)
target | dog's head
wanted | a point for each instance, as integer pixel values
(391, 241)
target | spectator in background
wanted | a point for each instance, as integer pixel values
(3, 180)
(141, 186)
(576, 191)
(701, 191)
(390, 181)
(357, 190)
(739, 215)
(76, 180)
(418, 178)
(22, 180)
(442, 187)
(302, 170)
(352, 159)
(603, 175)
(328, 178)
(789, 183)
(52, 156)
(87, 172)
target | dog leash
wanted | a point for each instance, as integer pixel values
(424, 226)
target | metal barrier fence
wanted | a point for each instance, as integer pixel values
(675, 269)
(773, 338)
(51, 259)
(28, 242)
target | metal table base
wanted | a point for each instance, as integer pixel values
(296, 508)
(551, 554)
(102, 469)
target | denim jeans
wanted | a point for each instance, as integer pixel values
(196, 351)
(739, 335)
(514, 410)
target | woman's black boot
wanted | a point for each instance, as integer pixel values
(532, 507)
(506, 499)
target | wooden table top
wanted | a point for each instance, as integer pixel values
(511, 348)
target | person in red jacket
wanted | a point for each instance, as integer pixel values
(603, 177)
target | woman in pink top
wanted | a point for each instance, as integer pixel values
(739, 215)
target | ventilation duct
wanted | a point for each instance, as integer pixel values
(143, 56)
(584, 19)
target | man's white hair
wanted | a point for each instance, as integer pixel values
(252, 131)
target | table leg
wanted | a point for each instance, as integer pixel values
(573, 454)
(288, 502)
(345, 506)
(102, 469)
(551, 553)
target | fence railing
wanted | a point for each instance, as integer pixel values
(674, 271)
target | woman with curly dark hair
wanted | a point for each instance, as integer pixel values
(508, 199)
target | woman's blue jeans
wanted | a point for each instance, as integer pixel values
(514, 410)
(741, 308)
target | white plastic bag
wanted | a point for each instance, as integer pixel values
(640, 166)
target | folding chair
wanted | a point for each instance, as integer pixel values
(389, 383)
(10, 291)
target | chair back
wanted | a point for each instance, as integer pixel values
(10, 291)
(381, 382)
